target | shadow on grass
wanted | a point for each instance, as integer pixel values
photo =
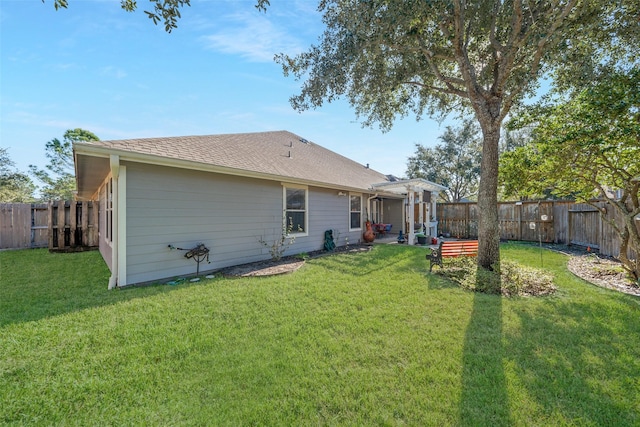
(35, 284)
(580, 360)
(484, 400)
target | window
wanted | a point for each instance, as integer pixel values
(355, 212)
(295, 209)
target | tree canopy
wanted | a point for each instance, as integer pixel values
(586, 147)
(59, 176)
(392, 58)
(15, 186)
(454, 163)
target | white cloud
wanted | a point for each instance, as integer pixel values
(63, 67)
(255, 38)
(111, 71)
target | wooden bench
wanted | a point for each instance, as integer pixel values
(452, 249)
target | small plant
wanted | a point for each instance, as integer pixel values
(337, 235)
(302, 256)
(278, 247)
(346, 242)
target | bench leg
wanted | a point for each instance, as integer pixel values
(433, 262)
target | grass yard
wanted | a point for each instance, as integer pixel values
(350, 339)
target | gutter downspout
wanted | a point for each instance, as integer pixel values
(114, 163)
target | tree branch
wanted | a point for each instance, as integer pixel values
(448, 90)
(534, 66)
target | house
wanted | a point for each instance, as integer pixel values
(228, 192)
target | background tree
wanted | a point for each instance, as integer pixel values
(454, 163)
(395, 57)
(59, 175)
(15, 186)
(586, 147)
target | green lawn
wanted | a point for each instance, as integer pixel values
(350, 339)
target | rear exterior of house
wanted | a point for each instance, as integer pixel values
(228, 214)
(227, 192)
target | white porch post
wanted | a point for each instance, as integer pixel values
(421, 210)
(114, 163)
(433, 219)
(411, 233)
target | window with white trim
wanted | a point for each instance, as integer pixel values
(355, 211)
(296, 214)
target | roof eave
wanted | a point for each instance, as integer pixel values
(90, 150)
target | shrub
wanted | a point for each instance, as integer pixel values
(509, 279)
(278, 246)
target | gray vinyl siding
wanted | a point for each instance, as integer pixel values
(170, 206)
(328, 211)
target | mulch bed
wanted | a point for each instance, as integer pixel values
(597, 269)
(284, 265)
(602, 272)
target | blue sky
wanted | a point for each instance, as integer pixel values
(97, 67)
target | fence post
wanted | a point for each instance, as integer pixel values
(467, 220)
(519, 207)
(50, 223)
(84, 219)
(95, 228)
(61, 224)
(73, 215)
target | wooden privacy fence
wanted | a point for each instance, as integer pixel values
(547, 221)
(61, 226)
(24, 225)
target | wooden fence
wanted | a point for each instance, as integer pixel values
(546, 221)
(23, 225)
(61, 226)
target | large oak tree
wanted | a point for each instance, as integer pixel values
(393, 58)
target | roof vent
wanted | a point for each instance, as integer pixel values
(304, 141)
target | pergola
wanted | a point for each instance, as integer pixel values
(413, 190)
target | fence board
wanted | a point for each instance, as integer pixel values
(84, 223)
(39, 225)
(60, 223)
(73, 220)
(15, 225)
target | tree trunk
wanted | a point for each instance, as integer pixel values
(629, 235)
(488, 225)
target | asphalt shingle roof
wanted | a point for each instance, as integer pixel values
(278, 153)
